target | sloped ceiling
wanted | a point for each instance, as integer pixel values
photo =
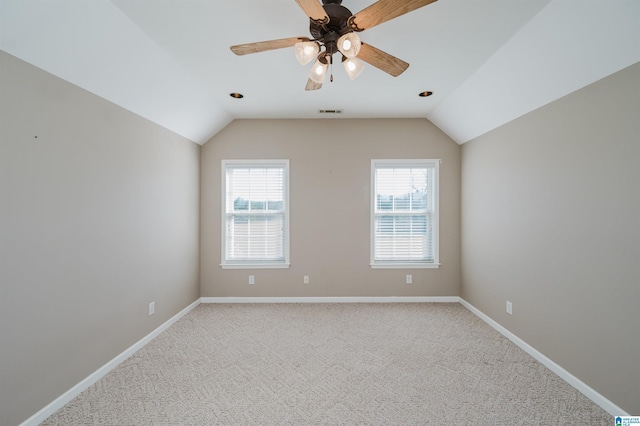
(487, 61)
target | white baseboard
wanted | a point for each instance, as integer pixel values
(393, 299)
(586, 390)
(66, 397)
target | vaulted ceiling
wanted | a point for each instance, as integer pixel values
(486, 61)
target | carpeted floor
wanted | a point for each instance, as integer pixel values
(301, 364)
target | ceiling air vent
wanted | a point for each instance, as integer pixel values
(330, 111)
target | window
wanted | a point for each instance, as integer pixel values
(404, 213)
(255, 214)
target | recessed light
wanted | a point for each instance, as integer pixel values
(236, 95)
(425, 94)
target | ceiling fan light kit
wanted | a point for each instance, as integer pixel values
(334, 30)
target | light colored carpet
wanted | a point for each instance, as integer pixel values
(300, 364)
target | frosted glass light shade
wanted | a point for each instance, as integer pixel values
(349, 45)
(353, 67)
(306, 51)
(318, 72)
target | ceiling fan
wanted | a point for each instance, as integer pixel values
(334, 29)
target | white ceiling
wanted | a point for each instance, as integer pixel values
(487, 61)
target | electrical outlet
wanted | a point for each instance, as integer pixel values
(409, 279)
(252, 279)
(509, 308)
(306, 279)
(152, 308)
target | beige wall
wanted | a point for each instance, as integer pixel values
(98, 217)
(330, 163)
(550, 212)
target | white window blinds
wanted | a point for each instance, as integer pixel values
(404, 213)
(255, 213)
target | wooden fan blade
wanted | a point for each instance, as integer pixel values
(382, 60)
(383, 11)
(261, 46)
(312, 85)
(314, 10)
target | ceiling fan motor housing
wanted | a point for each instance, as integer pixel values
(328, 34)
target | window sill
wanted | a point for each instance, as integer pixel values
(405, 265)
(255, 265)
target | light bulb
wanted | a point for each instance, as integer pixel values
(306, 51)
(353, 67)
(349, 45)
(318, 72)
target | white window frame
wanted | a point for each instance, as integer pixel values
(418, 163)
(252, 264)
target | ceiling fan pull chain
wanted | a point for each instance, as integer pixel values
(331, 65)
